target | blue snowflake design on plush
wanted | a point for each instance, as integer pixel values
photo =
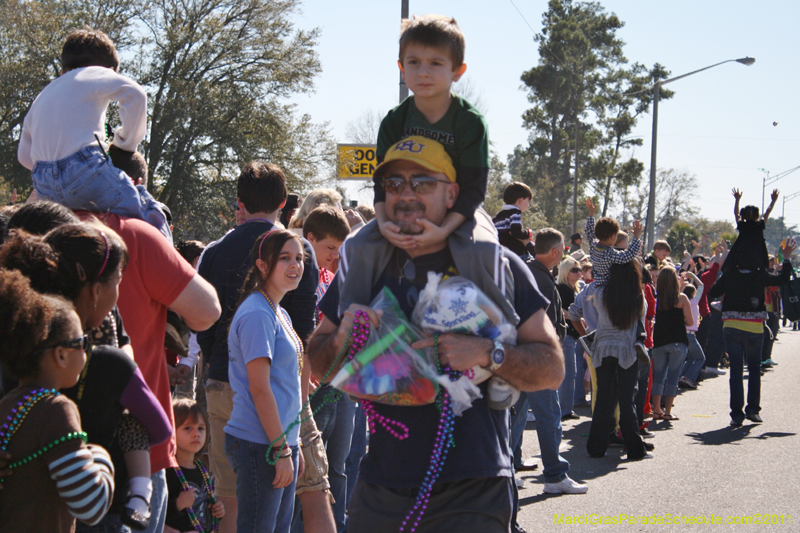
(458, 306)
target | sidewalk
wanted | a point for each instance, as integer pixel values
(702, 466)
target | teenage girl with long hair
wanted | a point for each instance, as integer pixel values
(265, 360)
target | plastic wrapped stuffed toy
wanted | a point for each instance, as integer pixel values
(388, 370)
(457, 305)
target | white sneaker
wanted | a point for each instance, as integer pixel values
(531, 417)
(520, 482)
(566, 486)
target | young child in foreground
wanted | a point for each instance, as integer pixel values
(604, 254)
(431, 59)
(749, 250)
(517, 197)
(192, 504)
(60, 141)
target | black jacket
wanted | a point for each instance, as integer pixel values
(744, 291)
(547, 286)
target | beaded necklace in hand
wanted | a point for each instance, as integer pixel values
(18, 415)
(298, 344)
(207, 487)
(355, 341)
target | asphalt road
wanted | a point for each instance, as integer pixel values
(702, 467)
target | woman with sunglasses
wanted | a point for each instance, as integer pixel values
(83, 263)
(54, 477)
(569, 273)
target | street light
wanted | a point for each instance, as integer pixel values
(651, 205)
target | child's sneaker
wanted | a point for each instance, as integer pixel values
(500, 394)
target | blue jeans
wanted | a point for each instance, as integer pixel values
(518, 421)
(545, 406)
(695, 358)
(667, 364)
(566, 391)
(741, 346)
(261, 506)
(358, 448)
(335, 421)
(87, 180)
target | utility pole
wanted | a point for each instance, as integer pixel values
(403, 86)
(575, 181)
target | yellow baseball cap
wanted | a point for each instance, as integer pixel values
(422, 151)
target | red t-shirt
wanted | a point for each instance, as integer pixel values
(156, 275)
(650, 298)
(707, 278)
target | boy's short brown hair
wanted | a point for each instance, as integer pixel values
(88, 47)
(131, 163)
(662, 245)
(326, 221)
(436, 31)
(515, 191)
(606, 228)
(261, 187)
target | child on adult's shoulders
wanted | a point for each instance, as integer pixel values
(749, 251)
(431, 59)
(508, 221)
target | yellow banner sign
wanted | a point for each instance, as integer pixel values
(356, 161)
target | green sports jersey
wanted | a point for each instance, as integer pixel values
(463, 133)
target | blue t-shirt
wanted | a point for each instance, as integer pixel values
(481, 434)
(256, 332)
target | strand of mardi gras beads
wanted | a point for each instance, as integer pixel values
(358, 329)
(298, 344)
(441, 448)
(209, 491)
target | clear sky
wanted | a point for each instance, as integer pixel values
(719, 124)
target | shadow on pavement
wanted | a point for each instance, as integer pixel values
(731, 435)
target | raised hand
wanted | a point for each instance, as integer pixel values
(590, 206)
(736, 193)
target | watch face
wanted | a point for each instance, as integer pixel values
(498, 356)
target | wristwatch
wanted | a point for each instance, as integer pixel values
(497, 357)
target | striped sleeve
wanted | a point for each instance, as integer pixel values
(85, 481)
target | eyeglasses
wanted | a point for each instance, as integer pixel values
(419, 184)
(83, 343)
(575, 270)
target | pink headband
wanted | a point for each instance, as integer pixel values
(264, 239)
(105, 261)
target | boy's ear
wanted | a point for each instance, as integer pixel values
(311, 238)
(400, 64)
(283, 203)
(460, 72)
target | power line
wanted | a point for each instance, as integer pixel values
(523, 16)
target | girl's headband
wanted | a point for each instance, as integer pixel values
(108, 250)
(267, 234)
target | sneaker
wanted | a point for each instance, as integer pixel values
(641, 353)
(755, 417)
(737, 423)
(712, 371)
(566, 486)
(683, 383)
(587, 341)
(646, 434)
(520, 482)
(570, 416)
(688, 383)
(531, 417)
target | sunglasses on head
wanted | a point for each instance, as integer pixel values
(419, 184)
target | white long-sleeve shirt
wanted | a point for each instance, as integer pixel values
(71, 110)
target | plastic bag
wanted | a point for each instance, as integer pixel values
(388, 370)
(457, 305)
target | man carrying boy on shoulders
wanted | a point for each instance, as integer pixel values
(474, 490)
